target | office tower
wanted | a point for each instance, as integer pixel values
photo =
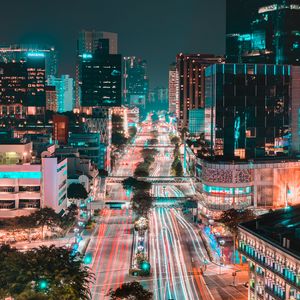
(196, 121)
(271, 246)
(135, 82)
(248, 110)
(158, 99)
(87, 43)
(190, 68)
(173, 89)
(263, 31)
(22, 86)
(101, 78)
(51, 98)
(64, 87)
(16, 53)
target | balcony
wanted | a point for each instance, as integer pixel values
(262, 263)
(274, 294)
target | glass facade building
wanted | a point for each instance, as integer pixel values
(263, 31)
(248, 109)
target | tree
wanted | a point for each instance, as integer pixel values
(132, 131)
(178, 169)
(152, 141)
(231, 218)
(46, 217)
(131, 290)
(118, 139)
(175, 140)
(142, 203)
(132, 183)
(103, 173)
(26, 223)
(49, 271)
(142, 170)
(146, 152)
(77, 191)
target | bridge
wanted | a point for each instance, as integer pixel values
(154, 179)
(150, 146)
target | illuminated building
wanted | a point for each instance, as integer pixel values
(263, 31)
(173, 90)
(51, 98)
(190, 68)
(17, 53)
(87, 44)
(133, 116)
(271, 246)
(123, 113)
(196, 121)
(22, 87)
(158, 99)
(26, 184)
(60, 129)
(90, 147)
(135, 82)
(247, 110)
(64, 87)
(101, 78)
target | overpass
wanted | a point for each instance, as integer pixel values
(150, 146)
(153, 179)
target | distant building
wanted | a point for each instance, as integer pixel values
(248, 110)
(173, 89)
(191, 68)
(20, 52)
(22, 87)
(101, 78)
(158, 99)
(263, 31)
(87, 43)
(271, 246)
(64, 87)
(51, 98)
(135, 82)
(90, 147)
(60, 129)
(196, 121)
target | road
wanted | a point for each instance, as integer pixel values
(111, 249)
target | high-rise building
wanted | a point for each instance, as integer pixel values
(51, 98)
(190, 68)
(263, 31)
(248, 110)
(158, 99)
(101, 78)
(64, 87)
(17, 53)
(22, 86)
(135, 82)
(60, 129)
(87, 44)
(173, 89)
(196, 121)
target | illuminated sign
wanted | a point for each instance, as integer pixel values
(20, 175)
(87, 56)
(35, 54)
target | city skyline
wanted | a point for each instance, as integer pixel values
(156, 43)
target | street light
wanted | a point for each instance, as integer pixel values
(221, 243)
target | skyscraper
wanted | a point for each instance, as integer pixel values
(135, 82)
(87, 43)
(64, 87)
(22, 86)
(16, 53)
(173, 89)
(101, 78)
(191, 68)
(248, 110)
(263, 31)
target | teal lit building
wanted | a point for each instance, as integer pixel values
(196, 122)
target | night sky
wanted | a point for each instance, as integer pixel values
(153, 29)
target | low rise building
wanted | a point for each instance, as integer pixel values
(26, 185)
(271, 245)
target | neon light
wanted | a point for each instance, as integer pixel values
(21, 175)
(35, 54)
(87, 56)
(245, 37)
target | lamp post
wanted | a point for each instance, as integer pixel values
(221, 243)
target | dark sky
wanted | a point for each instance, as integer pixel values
(153, 29)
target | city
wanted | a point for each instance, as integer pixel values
(154, 155)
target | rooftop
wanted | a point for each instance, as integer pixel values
(14, 142)
(275, 226)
